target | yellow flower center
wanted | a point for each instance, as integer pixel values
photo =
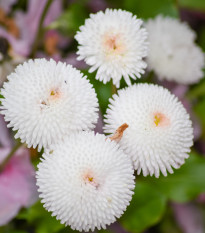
(53, 96)
(88, 178)
(160, 119)
(52, 93)
(157, 120)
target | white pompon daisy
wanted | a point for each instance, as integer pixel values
(45, 100)
(113, 42)
(160, 132)
(86, 181)
(173, 55)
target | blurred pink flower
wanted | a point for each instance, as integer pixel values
(28, 21)
(189, 217)
(19, 50)
(19, 46)
(97, 5)
(17, 179)
(17, 184)
(201, 198)
(6, 5)
(5, 140)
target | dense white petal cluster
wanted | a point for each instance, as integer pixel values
(160, 132)
(45, 100)
(173, 55)
(86, 181)
(113, 42)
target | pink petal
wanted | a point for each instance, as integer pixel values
(6, 5)
(28, 22)
(189, 218)
(3, 153)
(17, 184)
(9, 209)
(5, 140)
(19, 46)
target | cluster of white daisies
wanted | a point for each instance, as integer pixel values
(87, 180)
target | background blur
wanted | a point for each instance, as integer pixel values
(41, 28)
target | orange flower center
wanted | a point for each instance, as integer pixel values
(113, 44)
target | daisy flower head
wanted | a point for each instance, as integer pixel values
(113, 43)
(160, 132)
(92, 183)
(45, 100)
(173, 55)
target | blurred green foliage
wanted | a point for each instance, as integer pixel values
(71, 19)
(192, 4)
(152, 195)
(185, 183)
(168, 224)
(201, 38)
(197, 96)
(199, 109)
(148, 9)
(40, 219)
(197, 91)
(146, 208)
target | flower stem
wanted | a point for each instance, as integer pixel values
(40, 28)
(8, 157)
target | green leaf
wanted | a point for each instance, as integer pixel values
(185, 184)
(41, 219)
(146, 208)
(70, 21)
(108, 230)
(192, 4)
(201, 37)
(146, 9)
(1, 97)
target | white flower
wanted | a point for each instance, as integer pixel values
(160, 132)
(114, 43)
(173, 55)
(86, 181)
(45, 100)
